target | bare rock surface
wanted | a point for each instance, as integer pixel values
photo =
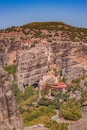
(36, 61)
(79, 125)
(9, 113)
(36, 127)
(34, 64)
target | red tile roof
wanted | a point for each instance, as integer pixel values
(59, 83)
(59, 87)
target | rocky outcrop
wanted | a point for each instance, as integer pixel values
(36, 127)
(67, 59)
(9, 113)
(79, 125)
(1, 59)
(36, 60)
(35, 64)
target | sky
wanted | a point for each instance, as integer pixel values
(20, 12)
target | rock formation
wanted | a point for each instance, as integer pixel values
(33, 64)
(36, 63)
(64, 48)
(9, 113)
(36, 127)
(79, 125)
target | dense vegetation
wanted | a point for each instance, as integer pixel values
(53, 26)
(36, 115)
(71, 110)
(34, 112)
(56, 126)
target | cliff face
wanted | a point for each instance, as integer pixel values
(9, 113)
(38, 62)
(33, 64)
(70, 57)
(66, 50)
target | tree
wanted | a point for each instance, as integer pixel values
(39, 93)
(56, 72)
(71, 110)
(11, 69)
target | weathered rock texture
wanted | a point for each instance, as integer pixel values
(38, 62)
(66, 50)
(1, 59)
(68, 58)
(79, 125)
(33, 64)
(9, 113)
(36, 127)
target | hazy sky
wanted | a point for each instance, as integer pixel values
(19, 12)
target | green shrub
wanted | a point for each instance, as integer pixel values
(37, 34)
(77, 80)
(15, 89)
(83, 97)
(46, 102)
(14, 128)
(39, 112)
(63, 80)
(53, 125)
(71, 110)
(11, 69)
(55, 71)
(29, 91)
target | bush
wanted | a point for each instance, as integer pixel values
(83, 97)
(15, 89)
(28, 92)
(19, 95)
(77, 80)
(53, 125)
(46, 102)
(71, 110)
(14, 128)
(11, 69)
(37, 34)
(55, 71)
(34, 114)
(63, 80)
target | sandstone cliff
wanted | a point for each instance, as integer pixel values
(36, 63)
(66, 50)
(9, 113)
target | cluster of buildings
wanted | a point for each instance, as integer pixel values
(57, 86)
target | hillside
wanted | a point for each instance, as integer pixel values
(44, 53)
(66, 49)
(51, 31)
